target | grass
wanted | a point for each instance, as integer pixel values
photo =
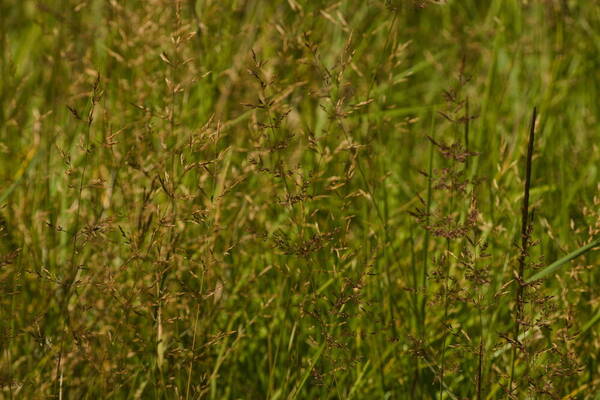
(299, 199)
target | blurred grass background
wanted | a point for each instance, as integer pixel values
(203, 199)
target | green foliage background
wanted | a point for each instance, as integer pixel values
(238, 199)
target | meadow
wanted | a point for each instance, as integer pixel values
(299, 199)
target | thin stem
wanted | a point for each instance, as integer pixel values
(525, 222)
(426, 245)
(467, 132)
(73, 268)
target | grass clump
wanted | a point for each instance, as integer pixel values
(299, 200)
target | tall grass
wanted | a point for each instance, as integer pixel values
(299, 200)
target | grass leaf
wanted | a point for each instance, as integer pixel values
(550, 269)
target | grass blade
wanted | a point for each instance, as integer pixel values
(550, 269)
(314, 360)
(591, 322)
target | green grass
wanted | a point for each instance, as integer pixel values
(299, 199)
